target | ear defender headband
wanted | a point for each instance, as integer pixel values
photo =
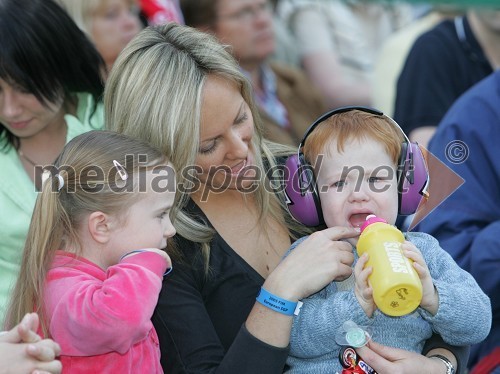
(303, 201)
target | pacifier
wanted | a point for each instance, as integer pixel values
(350, 334)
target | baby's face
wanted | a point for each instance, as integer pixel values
(360, 181)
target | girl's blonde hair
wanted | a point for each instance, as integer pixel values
(154, 93)
(86, 177)
(353, 124)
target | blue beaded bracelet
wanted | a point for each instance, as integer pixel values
(278, 304)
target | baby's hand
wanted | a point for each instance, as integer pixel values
(430, 299)
(28, 327)
(362, 290)
(24, 332)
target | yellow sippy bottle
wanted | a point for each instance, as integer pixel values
(397, 289)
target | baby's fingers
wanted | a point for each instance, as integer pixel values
(421, 271)
(363, 291)
(45, 350)
(362, 278)
(361, 274)
(360, 264)
(412, 252)
(419, 264)
(26, 330)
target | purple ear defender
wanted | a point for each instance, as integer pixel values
(412, 193)
(301, 202)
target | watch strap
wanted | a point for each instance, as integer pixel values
(449, 366)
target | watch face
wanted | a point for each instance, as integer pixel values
(449, 367)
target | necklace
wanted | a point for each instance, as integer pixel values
(21, 154)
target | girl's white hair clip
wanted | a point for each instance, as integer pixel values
(60, 179)
(121, 170)
(46, 175)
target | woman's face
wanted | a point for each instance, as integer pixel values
(225, 154)
(247, 26)
(113, 26)
(23, 114)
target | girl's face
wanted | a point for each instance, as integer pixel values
(23, 114)
(113, 26)
(146, 223)
(225, 155)
(360, 181)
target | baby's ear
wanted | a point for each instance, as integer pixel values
(100, 226)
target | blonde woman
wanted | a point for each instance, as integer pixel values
(181, 91)
(110, 24)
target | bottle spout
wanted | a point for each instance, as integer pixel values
(371, 218)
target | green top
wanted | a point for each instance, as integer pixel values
(18, 196)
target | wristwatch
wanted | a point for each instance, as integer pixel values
(449, 366)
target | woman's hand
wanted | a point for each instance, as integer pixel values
(317, 261)
(388, 360)
(22, 350)
(430, 300)
(362, 290)
(314, 263)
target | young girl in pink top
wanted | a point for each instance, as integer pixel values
(94, 258)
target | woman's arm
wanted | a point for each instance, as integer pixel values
(212, 323)
(200, 319)
(316, 262)
(458, 355)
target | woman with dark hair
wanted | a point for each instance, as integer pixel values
(50, 91)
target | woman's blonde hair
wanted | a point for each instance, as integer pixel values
(154, 93)
(89, 175)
